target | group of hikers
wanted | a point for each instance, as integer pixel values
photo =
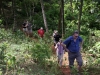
(27, 29)
(72, 45)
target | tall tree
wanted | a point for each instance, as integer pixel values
(26, 7)
(44, 16)
(62, 17)
(14, 19)
(3, 13)
(61, 27)
(80, 14)
(0, 5)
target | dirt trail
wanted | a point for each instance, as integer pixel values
(65, 63)
(65, 69)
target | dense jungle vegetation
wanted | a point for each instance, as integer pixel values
(22, 55)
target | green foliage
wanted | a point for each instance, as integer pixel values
(31, 10)
(41, 52)
(97, 34)
(4, 35)
(1, 72)
(85, 71)
(3, 47)
(74, 70)
(0, 21)
(10, 61)
(95, 50)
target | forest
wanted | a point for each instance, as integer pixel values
(31, 55)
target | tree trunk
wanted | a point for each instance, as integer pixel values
(80, 14)
(4, 15)
(14, 19)
(71, 2)
(44, 16)
(61, 27)
(62, 18)
(0, 6)
(29, 13)
(26, 8)
(33, 9)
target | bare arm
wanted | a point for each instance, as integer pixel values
(81, 44)
(65, 47)
(56, 46)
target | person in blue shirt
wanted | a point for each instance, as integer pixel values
(74, 44)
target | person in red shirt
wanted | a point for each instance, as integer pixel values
(41, 32)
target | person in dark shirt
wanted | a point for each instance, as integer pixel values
(27, 28)
(56, 38)
(24, 26)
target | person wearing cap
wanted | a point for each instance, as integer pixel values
(74, 44)
(41, 32)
